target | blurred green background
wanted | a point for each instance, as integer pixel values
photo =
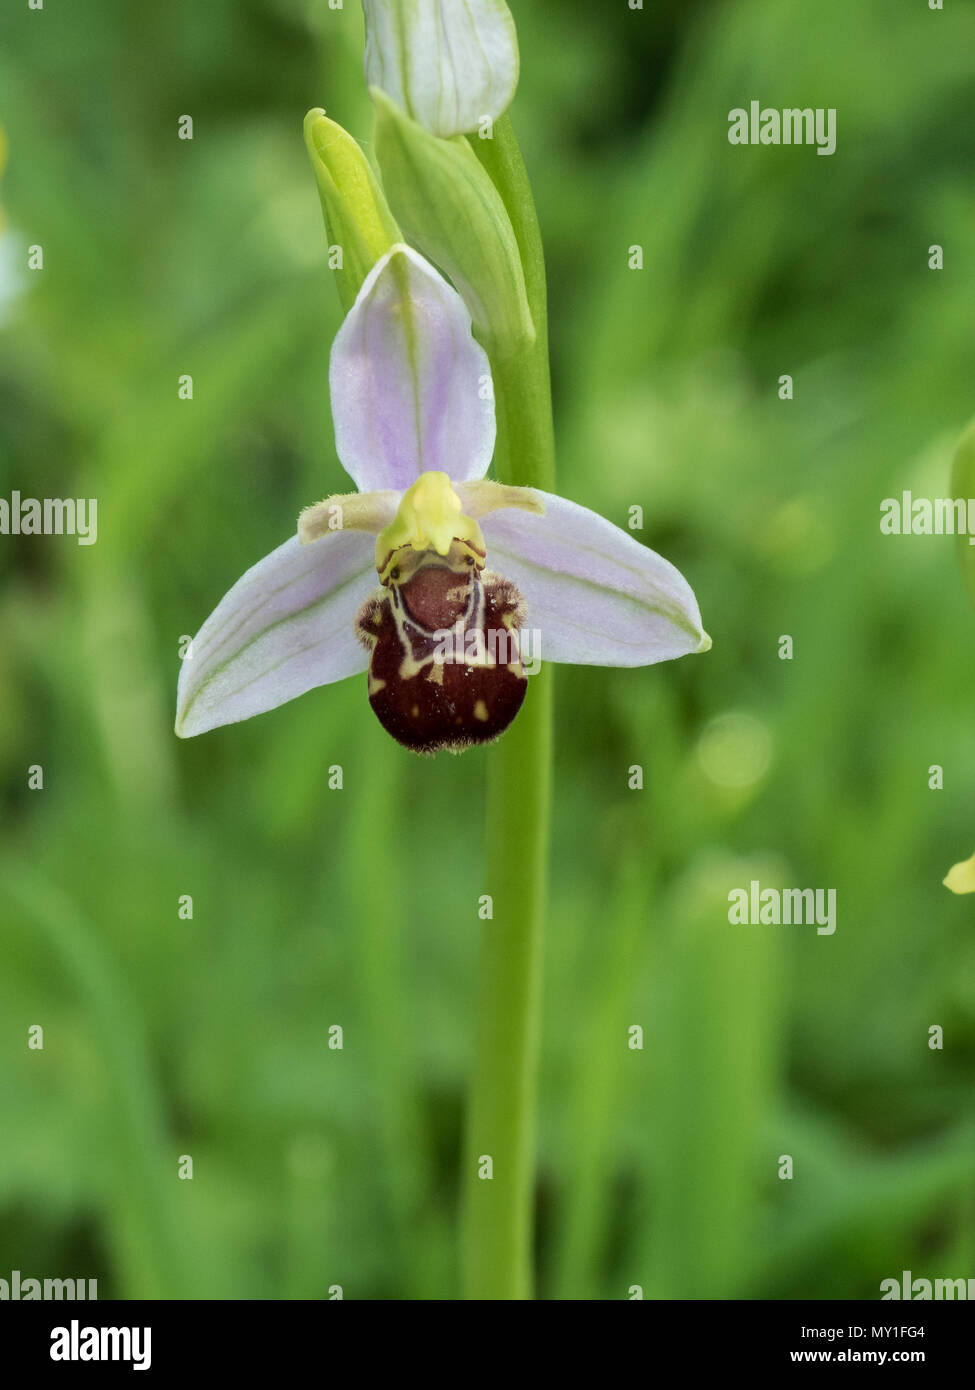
(209, 1037)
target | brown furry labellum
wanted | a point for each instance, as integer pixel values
(445, 670)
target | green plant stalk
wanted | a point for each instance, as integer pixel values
(525, 452)
(498, 1214)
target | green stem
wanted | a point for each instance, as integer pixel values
(525, 452)
(499, 1207)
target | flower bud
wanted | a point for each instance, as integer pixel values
(449, 208)
(450, 64)
(357, 218)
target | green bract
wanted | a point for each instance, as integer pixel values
(357, 216)
(449, 208)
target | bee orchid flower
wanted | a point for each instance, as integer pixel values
(430, 577)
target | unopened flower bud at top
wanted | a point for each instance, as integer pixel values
(450, 64)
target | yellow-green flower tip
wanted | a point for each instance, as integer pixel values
(357, 217)
(960, 878)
